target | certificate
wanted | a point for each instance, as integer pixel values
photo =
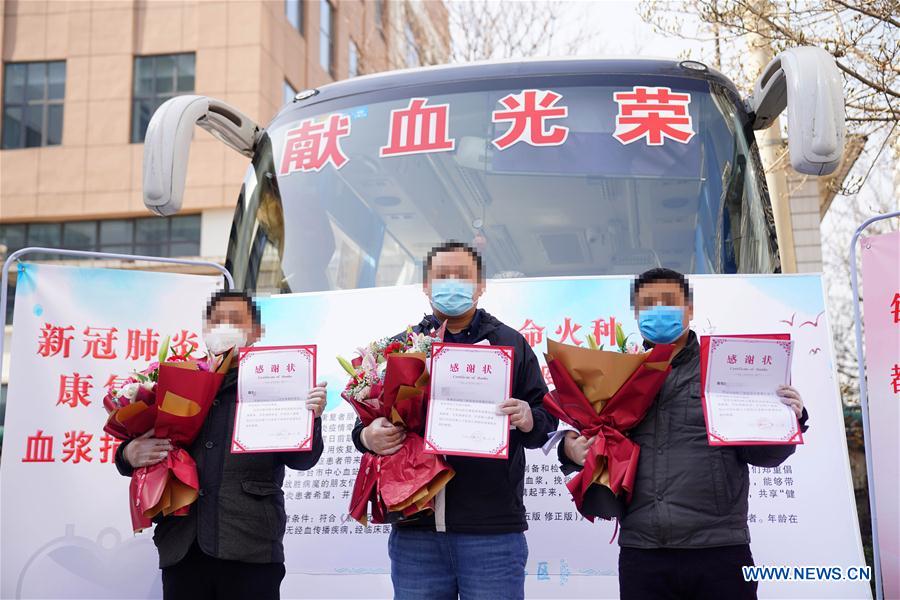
(271, 414)
(740, 375)
(467, 384)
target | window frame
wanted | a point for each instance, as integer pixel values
(285, 86)
(98, 245)
(300, 15)
(331, 65)
(45, 102)
(157, 98)
(379, 17)
(352, 58)
(411, 47)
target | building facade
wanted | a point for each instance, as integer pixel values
(81, 79)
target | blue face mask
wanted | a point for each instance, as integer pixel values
(452, 297)
(661, 324)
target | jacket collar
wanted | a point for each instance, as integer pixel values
(690, 351)
(230, 379)
(483, 324)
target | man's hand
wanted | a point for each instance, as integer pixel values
(317, 399)
(790, 396)
(146, 450)
(576, 447)
(382, 437)
(519, 413)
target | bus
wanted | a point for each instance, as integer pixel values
(573, 167)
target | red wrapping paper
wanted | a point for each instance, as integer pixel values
(624, 410)
(407, 480)
(176, 412)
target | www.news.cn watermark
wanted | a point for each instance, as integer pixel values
(810, 573)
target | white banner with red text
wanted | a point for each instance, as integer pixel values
(65, 522)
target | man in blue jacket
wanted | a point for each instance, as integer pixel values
(473, 546)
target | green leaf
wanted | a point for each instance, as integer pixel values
(164, 349)
(592, 342)
(620, 336)
(347, 366)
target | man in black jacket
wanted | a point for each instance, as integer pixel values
(230, 543)
(684, 534)
(473, 545)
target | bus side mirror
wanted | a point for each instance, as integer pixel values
(168, 141)
(807, 81)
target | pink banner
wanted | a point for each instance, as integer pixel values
(881, 291)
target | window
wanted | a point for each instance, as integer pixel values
(33, 104)
(293, 10)
(288, 92)
(156, 79)
(379, 16)
(412, 51)
(326, 36)
(353, 60)
(152, 236)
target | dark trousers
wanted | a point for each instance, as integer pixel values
(199, 576)
(685, 574)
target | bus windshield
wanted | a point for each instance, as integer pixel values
(575, 175)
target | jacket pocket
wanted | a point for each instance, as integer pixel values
(261, 488)
(264, 498)
(720, 485)
(693, 406)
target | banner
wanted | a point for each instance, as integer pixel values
(66, 530)
(801, 513)
(881, 301)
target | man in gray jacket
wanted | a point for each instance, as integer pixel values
(684, 533)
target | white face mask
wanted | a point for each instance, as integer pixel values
(223, 338)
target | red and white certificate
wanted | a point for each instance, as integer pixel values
(273, 384)
(740, 375)
(467, 384)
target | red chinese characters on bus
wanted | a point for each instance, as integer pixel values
(312, 145)
(418, 129)
(528, 112)
(654, 114)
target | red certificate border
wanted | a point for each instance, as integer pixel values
(306, 444)
(704, 363)
(430, 447)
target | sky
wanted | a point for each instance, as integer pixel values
(621, 31)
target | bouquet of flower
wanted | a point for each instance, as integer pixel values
(389, 378)
(172, 397)
(603, 394)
